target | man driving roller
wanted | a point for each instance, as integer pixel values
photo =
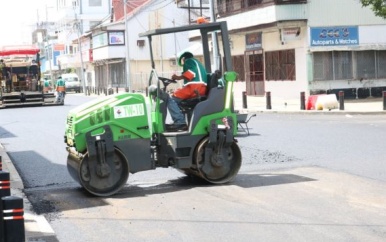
(194, 76)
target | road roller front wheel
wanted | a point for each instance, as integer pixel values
(105, 179)
(221, 164)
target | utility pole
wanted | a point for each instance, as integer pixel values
(128, 84)
(49, 55)
(216, 59)
(175, 43)
(49, 47)
(77, 23)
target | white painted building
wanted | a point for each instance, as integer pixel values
(109, 55)
(74, 20)
(288, 47)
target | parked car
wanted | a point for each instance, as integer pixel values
(72, 82)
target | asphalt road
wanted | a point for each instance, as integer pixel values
(303, 178)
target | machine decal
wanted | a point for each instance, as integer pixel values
(123, 137)
(132, 110)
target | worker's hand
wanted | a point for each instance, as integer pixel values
(175, 77)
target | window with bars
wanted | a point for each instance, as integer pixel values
(280, 65)
(341, 65)
(381, 64)
(117, 74)
(323, 66)
(365, 64)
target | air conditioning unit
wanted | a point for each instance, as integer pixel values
(140, 43)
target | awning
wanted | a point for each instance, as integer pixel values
(16, 50)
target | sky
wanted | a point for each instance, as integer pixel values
(18, 19)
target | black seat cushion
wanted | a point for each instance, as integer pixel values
(189, 104)
(212, 81)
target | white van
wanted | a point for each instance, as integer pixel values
(72, 82)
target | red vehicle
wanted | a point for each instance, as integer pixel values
(21, 83)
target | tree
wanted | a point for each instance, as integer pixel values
(378, 7)
(70, 70)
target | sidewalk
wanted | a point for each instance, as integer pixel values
(278, 104)
(259, 104)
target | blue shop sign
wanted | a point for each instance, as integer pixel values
(334, 36)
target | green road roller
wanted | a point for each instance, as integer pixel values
(110, 137)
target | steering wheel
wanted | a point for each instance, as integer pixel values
(166, 81)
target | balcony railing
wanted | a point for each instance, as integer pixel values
(231, 7)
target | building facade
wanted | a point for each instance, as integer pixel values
(91, 34)
(67, 49)
(110, 53)
(280, 46)
(293, 46)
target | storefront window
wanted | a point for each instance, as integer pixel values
(338, 65)
(323, 66)
(381, 61)
(280, 65)
(342, 65)
(365, 64)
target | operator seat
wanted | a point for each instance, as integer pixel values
(187, 106)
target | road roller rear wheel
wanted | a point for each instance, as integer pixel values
(108, 184)
(219, 168)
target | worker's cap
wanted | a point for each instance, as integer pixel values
(185, 55)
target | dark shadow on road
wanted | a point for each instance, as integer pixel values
(262, 180)
(51, 190)
(49, 186)
(37, 171)
(54, 200)
(4, 133)
(185, 183)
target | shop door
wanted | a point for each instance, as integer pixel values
(254, 73)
